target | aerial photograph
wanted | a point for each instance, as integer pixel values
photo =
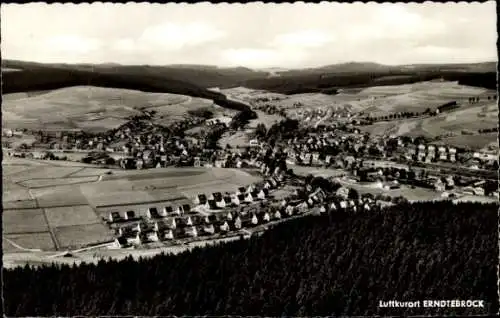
(296, 160)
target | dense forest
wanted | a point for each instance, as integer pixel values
(195, 80)
(335, 264)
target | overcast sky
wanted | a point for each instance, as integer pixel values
(253, 35)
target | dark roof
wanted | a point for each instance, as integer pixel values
(217, 196)
(212, 204)
(227, 200)
(241, 197)
(202, 198)
(186, 207)
(241, 189)
(169, 209)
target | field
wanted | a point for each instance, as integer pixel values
(43, 197)
(90, 108)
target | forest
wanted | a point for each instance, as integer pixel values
(334, 264)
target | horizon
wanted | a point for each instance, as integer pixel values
(253, 68)
(255, 35)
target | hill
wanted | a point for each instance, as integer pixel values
(193, 80)
(337, 265)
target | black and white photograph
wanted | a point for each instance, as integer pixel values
(264, 160)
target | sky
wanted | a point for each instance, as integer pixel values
(253, 35)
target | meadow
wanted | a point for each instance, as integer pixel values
(44, 197)
(91, 108)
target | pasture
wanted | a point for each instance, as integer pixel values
(49, 199)
(75, 236)
(90, 108)
(41, 240)
(22, 221)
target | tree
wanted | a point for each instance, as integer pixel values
(353, 194)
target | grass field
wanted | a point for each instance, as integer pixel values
(78, 235)
(26, 220)
(41, 241)
(90, 108)
(71, 215)
(69, 208)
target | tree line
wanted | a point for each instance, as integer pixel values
(335, 264)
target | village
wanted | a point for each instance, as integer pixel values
(322, 168)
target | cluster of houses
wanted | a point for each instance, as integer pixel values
(431, 153)
(206, 215)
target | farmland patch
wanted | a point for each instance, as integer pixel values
(41, 241)
(71, 215)
(81, 235)
(26, 220)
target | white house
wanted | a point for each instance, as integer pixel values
(255, 221)
(237, 223)
(134, 239)
(235, 199)
(289, 210)
(152, 236)
(249, 198)
(266, 217)
(168, 235)
(224, 227)
(277, 215)
(208, 229)
(191, 231)
(261, 195)
(343, 204)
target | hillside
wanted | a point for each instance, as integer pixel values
(342, 264)
(193, 79)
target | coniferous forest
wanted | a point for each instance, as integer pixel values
(336, 264)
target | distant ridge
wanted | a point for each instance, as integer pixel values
(194, 80)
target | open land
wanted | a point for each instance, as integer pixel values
(91, 108)
(44, 200)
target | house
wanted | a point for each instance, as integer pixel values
(249, 198)
(219, 200)
(151, 236)
(241, 190)
(228, 201)
(129, 215)
(201, 199)
(168, 235)
(133, 238)
(343, 204)
(277, 215)
(167, 210)
(224, 226)
(236, 199)
(289, 209)
(250, 220)
(236, 224)
(191, 231)
(208, 229)
(265, 217)
(212, 205)
(152, 213)
(186, 208)
(439, 185)
(114, 216)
